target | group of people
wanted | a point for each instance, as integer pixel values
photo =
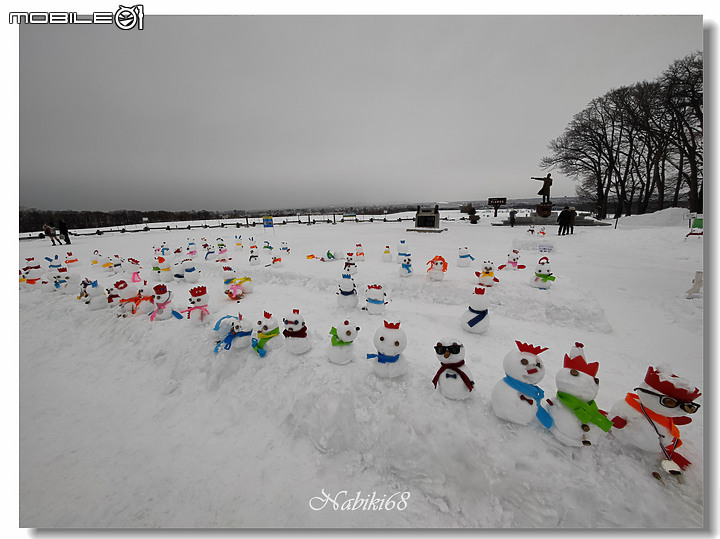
(51, 232)
(566, 220)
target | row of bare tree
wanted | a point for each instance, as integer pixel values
(638, 148)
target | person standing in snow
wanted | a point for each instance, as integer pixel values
(564, 221)
(50, 232)
(62, 227)
(573, 215)
(513, 213)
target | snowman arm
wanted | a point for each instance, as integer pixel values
(551, 403)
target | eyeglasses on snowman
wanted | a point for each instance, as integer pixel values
(670, 402)
(453, 348)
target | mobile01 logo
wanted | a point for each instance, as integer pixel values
(125, 18)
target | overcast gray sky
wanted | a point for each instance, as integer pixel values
(260, 112)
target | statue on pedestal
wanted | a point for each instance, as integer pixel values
(545, 189)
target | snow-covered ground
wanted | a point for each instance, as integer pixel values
(128, 423)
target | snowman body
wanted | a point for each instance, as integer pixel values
(476, 319)
(342, 337)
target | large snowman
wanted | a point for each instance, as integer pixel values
(453, 378)
(577, 421)
(342, 337)
(295, 333)
(649, 418)
(390, 341)
(475, 319)
(517, 398)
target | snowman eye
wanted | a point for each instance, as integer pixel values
(574, 372)
(382, 338)
(348, 333)
(597, 381)
(397, 343)
(524, 361)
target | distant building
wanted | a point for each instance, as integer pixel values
(427, 217)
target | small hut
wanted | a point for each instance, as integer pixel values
(427, 217)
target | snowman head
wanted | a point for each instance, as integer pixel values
(488, 266)
(667, 394)
(347, 331)
(266, 323)
(407, 261)
(375, 291)
(479, 300)
(390, 338)
(198, 295)
(294, 321)
(577, 377)
(162, 294)
(543, 266)
(241, 325)
(125, 290)
(524, 364)
(514, 256)
(462, 251)
(449, 350)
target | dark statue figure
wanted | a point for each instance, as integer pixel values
(545, 189)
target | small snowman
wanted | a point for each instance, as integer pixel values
(163, 304)
(191, 249)
(342, 336)
(190, 272)
(284, 249)
(54, 263)
(406, 267)
(359, 253)
(486, 275)
(516, 398)
(544, 277)
(144, 301)
(238, 334)
(72, 261)
(464, 257)
(437, 269)
(453, 378)
(95, 296)
(512, 261)
(164, 269)
(267, 329)
(350, 266)
(577, 421)
(295, 333)
(387, 254)
(114, 264)
(403, 251)
(475, 319)
(347, 296)
(198, 312)
(134, 270)
(96, 258)
(375, 299)
(210, 254)
(32, 273)
(232, 288)
(254, 258)
(128, 296)
(649, 418)
(390, 341)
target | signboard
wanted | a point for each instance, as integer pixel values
(497, 201)
(268, 222)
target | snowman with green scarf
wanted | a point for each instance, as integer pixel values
(577, 421)
(544, 277)
(342, 337)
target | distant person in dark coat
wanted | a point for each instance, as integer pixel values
(62, 227)
(573, 216)
(513, 213)
(564, 221)
(49, 231)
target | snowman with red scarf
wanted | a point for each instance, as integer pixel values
(295, 333)
(577, 421)
(516, 398)
(453, 378)
(649, 418)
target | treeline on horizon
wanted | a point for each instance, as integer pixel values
(638, 148)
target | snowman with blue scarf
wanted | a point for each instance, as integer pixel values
(475, 319)
(347, 295)
(239, 332)
(390, 341)
(516, 398)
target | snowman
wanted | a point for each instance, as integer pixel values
(267, 329)
(512, 261)
(198, 312)
(32, 275)
(128, 296)
(437, 269)
(134, 270)
(375, 299)
(238, 243)
(453, 378)
(72, 261)
(464, 257)
(649, 418)
(113, 264)
(163, 304)
(342, 336)
(350, 266)
(359, 253)
(390, 341)
(486, 275)
(387, 254)
(347, 296)
(406, 267)
(164, 269)
(95, 296)
(295, 333)
(403, 251)
(178, 271)
(543, 275)
(144, 301)
(475, 319)
(210, 254)
(254, 257)
(54, 263)
(190, 273)
(516, 398)
(191, 249)
(232, 288)
(284, 249)
(238, 333)
(96, 258)
(577, 421)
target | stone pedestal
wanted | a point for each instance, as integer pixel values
(544, 209)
